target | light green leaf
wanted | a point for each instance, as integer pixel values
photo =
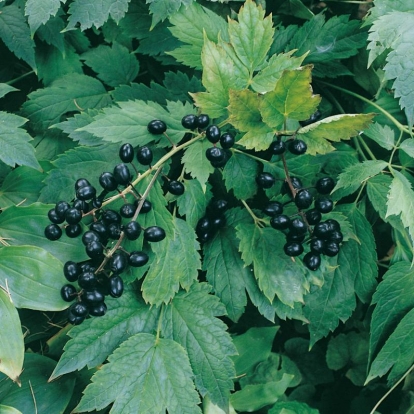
(240, 175)
(292, 407)
(15, 34)
(70, 93)
(251, 35)
(195, 162)
(32, 277)
(267, 78)
(36, 394)
(39, 12)
(5, 89)
(163, 366)
(161, 9)
(191, 320)
(5, 409)
(102, 58)
(96, 338)
(193, 202)
(276, 273)
(51, 33)
(401, 201)
(334, 128)
(95, 13)
(11, 339)
(408, 147)
(383, 135)
(397, 354)
(394, 298)
(291, 98)
(355, 175)
(14, 142)
(176, 263)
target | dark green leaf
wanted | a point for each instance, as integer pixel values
(5, 89)
(161, 9)
(383, 135)
(292, 407)
(39, 12)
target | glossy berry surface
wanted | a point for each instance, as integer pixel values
(144, 155)
(94, 249)
(54, 217)
(132, 230)
(118, 262)
(75, 320)
(126, 153)
(98, 310)
(277, 147)
(73, 230)
(53, 232)
(114, 231)
(313, 118)
(138, 259)
(156, 127)
(331, 249)
(324, 204)
(73, 216)
(100, 228)
(61, 208)
(88, 192)
(280, 222)
(297, 237)
(316, 245)
(203, 120)
(222, 162)
(297, 147)
(90, 236)
(189, 122)
(265, 180)
(93, 296)
(154, 234)
(111, 216)
(68, 293)
(146, 206)
(325, 185)
(336, 236)
(71, 271)
(127, 210)
(79, 309)
(80, 205)
(215, 154)
(296, 184)
(175, 187)
(322, 230)
(312, 261)
(313, 216)
(213, 134)
(274, 208)
(81, 182)
(217, 207)
(297, 225)
(87, 280)
(293, 249)
(116, 286)
(227, 140)
(107, 181)
(122, 175)
(303, 199)
(204, 225)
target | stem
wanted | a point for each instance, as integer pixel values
(366, 147)
(251, 156)
(19, 78)
(288, 180)
(157, 338)
(257, 220)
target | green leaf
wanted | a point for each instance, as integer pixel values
(334, 128)
(96, 338)
(383, 135)
(25, 226)
(5, 409)
(394, 298)
(195, 162)
(161, 9)
(70, 93)
(397, 353)
(5, 89)
(191, 320)
(35, 393)
(21, 186)
(11, 339)
(51, 33)
(266, 79)
(401, 201)
(252, 397)
(408, 146)
(102, 58)
(189, 25)
(355, 175)
(39, 12)
(253, 346)
(240, 175)
(394, 31)
(176, 263)
(291, 98)
(333, 302)
(32, 277)
(276, 274)
(252, 35)
(163, 366)
(295, 8)
(14, 142)
(292, 407)
(245, 115)
(128, 122)
(15, 34)
(193, 202)
(95, 13)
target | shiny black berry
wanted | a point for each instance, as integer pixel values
(296, 184)
(81, 182)
(111, 216)
(132, 230)
(316, 245)
(322, 230)
(71, 270)
(118, 262)
(87, 280)
(324, 204)
(333, 225)
(218, 222)
(75, 320)
(98, 310)
(68, 293)
(114, 231)
(331, 248)
(116, 286)
(156, 127)
(325, 185)
(222, 162)
(79, 309)
(280, 222)
(204, 225)
(80, 205)
(312, 260)
(93, 296)
(297, 237)
(313, 118)
(138, 259)
(122, 175)
(144, 155)
(265, 180)
(336, 236)
(53, 232)
(146, 206)
(90, 236)
(100, 228)
(213, 134)
(293, 249)
(73, 216)
(217, 207)
(297, 147)
(107, 181)
(88, 192)
(203, 120)
(274, 208)
(303, 199)
(189, 122)
(215, 154)
(61, 208)
(127, 210)
(175, 187)
(54, 217)
(73, 230)
(154, 234)
(277, 147)
(227, 140)
(126, 153)
(94, 249)
(297, 225)
(313, 216)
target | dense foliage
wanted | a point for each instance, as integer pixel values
(206, 206)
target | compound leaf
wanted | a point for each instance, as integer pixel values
(161, 9)
(140, 365)
(39, 12)
(383, 135)
(191, 320)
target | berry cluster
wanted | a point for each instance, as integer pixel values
(106, 229)
(213, 220)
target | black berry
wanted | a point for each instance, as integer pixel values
(53, 232)
(98, 310)
(87, 280)
(90, 236)
(81, 182)
(122, 175)
(127, 210)
(280, 222)
(274, 208)
(325, 185)
(316, 245)
(94, 249)
(68, 293)
(156, 127)
(175, 187)
(303, 199)
(213, 133)
(144, 155)
(265, 180)
(297, 225)
(126, 153)
(215, 154)
(154, 234)
(71, 270)
(54, 217)
(88, 192)
(132, 230)
(227, 140)
(111, 216)
(138, 259)
(73, 230)
(324, 204)
(61, 208)
(312, 261)
(293, 249)
(297, 147)
(107, 181)
(189, 122)
(79, 309)
(203, 120)
(118, 262)
(313, 118)
(116, 286)
(277, 147)
(313, 216)
(73, 216)
(331, 248)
